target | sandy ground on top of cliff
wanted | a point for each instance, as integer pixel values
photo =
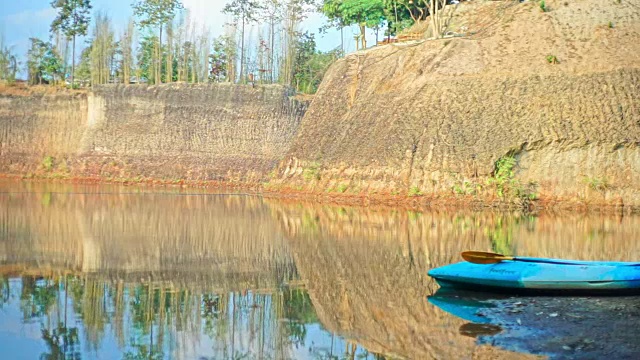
(511, 37)
(22, 89)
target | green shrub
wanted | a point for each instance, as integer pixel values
(466, 188)
(47, 163)
(543, 6)
(414, 191)
(312, 172)
(503, 175)
(597, 184)
(552, 59)
(507, 186)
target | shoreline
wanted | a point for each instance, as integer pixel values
(413, 203)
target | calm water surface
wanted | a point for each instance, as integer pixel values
(124, 273)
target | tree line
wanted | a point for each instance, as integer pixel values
(161, 43)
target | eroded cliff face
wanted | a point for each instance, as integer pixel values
(215, 132)
(34, 126)
(436, 117)
(171, 132)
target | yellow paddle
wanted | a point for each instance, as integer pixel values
(481, 257)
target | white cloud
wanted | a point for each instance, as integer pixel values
(31, 16)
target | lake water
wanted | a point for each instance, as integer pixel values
(115, 272)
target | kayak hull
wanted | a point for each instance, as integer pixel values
(541, 277)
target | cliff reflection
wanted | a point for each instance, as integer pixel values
(147, 235)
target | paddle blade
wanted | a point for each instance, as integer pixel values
(481, 257)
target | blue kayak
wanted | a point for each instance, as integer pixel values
(539, 275)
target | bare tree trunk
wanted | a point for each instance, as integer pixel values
(231, 47)
(436, 13)
(73, 61)
(127, 57)
(242, 51)
(195, 60)
(169, 77)
(159, 59)
(185, 63)
(363, 29)
(272, 50)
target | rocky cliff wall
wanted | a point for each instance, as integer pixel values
(178, 132)
(485, 115)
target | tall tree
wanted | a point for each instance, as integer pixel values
(218, 61)
(156, 13)
(126, 42)
(146, 58)
(60, 44)
(83, 71)
(73, 20)
(364, 13)
(35, 57)
(245, 11)
(169, 62)
(273, 14)
(201, 55)
(229, 40)
(295, 12)
(43, 63)
(103, 47)
(8, 62)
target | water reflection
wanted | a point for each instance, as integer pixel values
(82, 317)
(366, 270)
(116, 272)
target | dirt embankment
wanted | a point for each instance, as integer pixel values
(528, 106)
(171, 133)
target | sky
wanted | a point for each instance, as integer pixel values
(22, 19)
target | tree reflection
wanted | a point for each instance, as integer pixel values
(299, 312)
(38, 296)
(154, 320)
(62, 342)
(5, 290)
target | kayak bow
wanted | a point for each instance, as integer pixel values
(542, 275)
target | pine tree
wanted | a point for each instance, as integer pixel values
(72, 20)
(246, 12)
(156, 13)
